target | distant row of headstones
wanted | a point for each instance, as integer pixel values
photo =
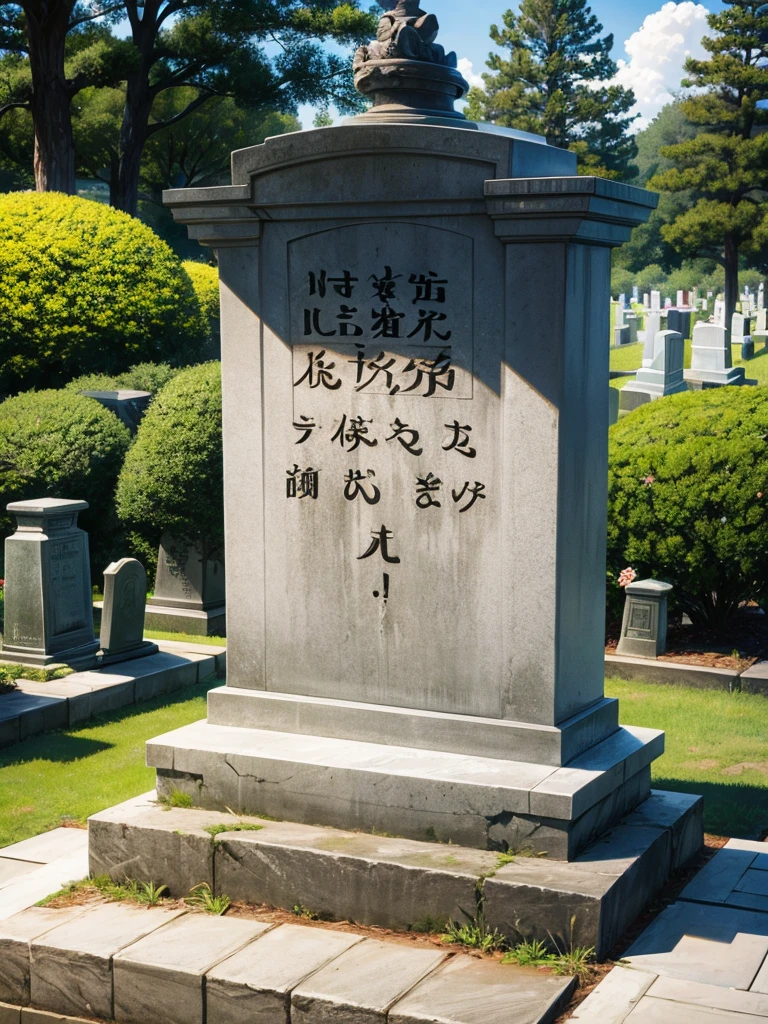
(48, 598)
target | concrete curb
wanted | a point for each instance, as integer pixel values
(671, 673)
(61, 703)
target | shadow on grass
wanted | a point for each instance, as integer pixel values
(66, 745)
(734, 809)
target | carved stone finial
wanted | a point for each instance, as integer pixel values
(409, 76)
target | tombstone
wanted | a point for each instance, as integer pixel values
(414, 499)
(667, 303)
(655, 301)
(719, 313)
(128, 406)
(646, 300)
(48, 606)
(711, 362)
(621, 336)
(623, 304)
(652, 328)
(663, 377)
(761, 296)
(635, 293)
(620, 314)
(705, 305)
(741, 334)
(644, 625)
(189, 591)
(679, 320)
(680, 299)
(122, 620)
(631, 320)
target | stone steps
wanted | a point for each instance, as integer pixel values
(403, 883)
(139, 965)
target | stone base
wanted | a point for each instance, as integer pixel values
(145, 647)
(80, 658)
(407, 727)
(486, 803)
(400, 883)
(714, 378)
(196, 622)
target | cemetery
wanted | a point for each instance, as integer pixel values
(384, 509)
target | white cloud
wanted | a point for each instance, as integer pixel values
(465, 67)
(657, 52)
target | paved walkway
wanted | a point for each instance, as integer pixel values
(39, 866)
(703, 959)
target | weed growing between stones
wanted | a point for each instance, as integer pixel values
(575, 960)
(239, 826)
(201, 898)
(474, 933)
(304, 912)
(145, 893)
(175, 799)
(10, 673)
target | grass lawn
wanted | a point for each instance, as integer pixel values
(716, 745)
(187, 638)
(76, 772)
(630, 357)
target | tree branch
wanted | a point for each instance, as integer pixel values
(94, 17)
(13, 106)
(193, 105)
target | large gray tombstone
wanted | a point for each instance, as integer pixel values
(415, 479)
(189, 591)
(122, 621)
(48, 606)
(711, 361)
(663, 377)
(644, 625)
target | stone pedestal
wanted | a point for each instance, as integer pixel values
(48, 611)
(663, 377)
(189, 591)
(712, 363)
(644, 626)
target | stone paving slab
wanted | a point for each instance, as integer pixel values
(11, 869)
(362, 984)
(726, 872)
(71, 965)
(254, 986)
(160, 978)
(44, 880)
(16, 934)
(47, 847)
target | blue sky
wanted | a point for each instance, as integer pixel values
(651, 41)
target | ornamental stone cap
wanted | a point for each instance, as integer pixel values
(122, 394)
(649, 588)
(46, 506)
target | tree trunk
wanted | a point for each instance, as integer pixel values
(731, 263)
(54, 161)
(133, 137)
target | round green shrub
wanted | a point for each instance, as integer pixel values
(205, 281)
(54, 444)
(143, 377)
(688, 498)
(172, 477)
(86, 288)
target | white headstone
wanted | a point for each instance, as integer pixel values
(711, 360)
(719, 313)
(619, 321)
(655, 300)
(680, 299)
(665, 374)
(646, 300)
(652, 328)
(761, 296)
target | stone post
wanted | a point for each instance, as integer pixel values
(644, 626)
(48, 606)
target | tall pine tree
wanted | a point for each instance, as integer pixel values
(724, 167)
(555, 81)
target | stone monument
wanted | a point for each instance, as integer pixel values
(415, 476)
(189, 591)
(128, 406)
(711, 361)
(652, 328)
(644, 626)
(663, 377)
(122, 620)
(48, 609)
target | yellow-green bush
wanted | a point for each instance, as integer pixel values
(205, 281)
(86, 288)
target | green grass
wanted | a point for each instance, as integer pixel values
(709, 733)
(187, 638)
(76, 772)
(630, 357)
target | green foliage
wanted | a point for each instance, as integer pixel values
(201, 898)
(176, 798)
(556, 82)
(721, 168)
(172, 477)
(9, 673)
(238, 826)
(688, 498)
(85, 288)
(474, 933)
(54, 444)
(669, 127)
(142, 377)
(529, 953)
(205, 281)
(304, 912)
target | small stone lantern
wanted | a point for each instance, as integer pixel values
(644, 627)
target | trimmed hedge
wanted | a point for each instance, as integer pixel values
(86, 288)
(688, 498)
(142, 377)
(54, 444)
(172, 478)
(205, 281)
